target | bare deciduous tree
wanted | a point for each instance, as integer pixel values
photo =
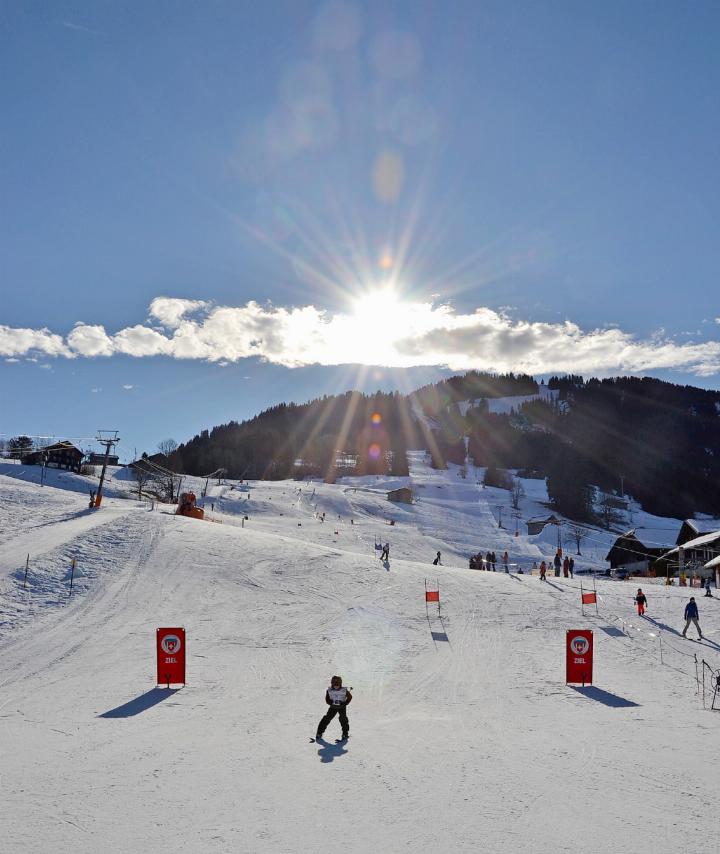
(142, 476)
(577, 535)
(167, 446)
(517, 491)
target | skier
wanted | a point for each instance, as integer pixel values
(691, 616)
(641, 602)
(543, 570)
(385, 554)
(707, 587)
(338, 699)
(437, 560)
(505, 560)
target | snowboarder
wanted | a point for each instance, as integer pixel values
(338, 698)
(543, 570)
(691, 616)
(437, 560)
(641, 602)
(385, 554)
(707, 587)
(505, 560)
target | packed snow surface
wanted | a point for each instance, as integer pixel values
(464, 735)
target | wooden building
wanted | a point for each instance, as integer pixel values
(61, 455)
(629, 553)
(404, 495)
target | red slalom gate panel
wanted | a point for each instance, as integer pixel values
(579, 656)
(171, 656)
(432, 595)
(589, 599)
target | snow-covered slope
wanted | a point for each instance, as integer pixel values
(464, 735)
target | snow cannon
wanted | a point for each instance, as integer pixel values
(187, 507)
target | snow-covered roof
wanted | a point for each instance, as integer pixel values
(711, 564)
(697, 543)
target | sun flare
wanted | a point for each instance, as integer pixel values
(377, 305)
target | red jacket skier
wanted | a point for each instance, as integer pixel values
(641, 602)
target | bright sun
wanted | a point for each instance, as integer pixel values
(376, 305)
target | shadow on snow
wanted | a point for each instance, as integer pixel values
(604, 697)
(140, 704)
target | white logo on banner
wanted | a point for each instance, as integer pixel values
(579, 645)
(170, 644)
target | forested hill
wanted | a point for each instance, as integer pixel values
(663, 439)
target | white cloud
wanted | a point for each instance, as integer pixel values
(404, 335)
(18, 342)
(128, 386)
(170, 311)
(12, 361)
(95, 390)
(90, 340)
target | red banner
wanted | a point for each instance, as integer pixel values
(579, 656)
(432, 595)
(171, 656)
(589, 598)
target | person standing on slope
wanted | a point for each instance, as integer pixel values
(641, 602)
(437, 560)
(543, 570)
(707, 587)
(338, 699)
(691, 616)
(571, 566)
(557, 562)
(566, 566)
(506, 561)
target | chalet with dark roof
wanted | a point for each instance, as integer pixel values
(628, 552)
(61, 455)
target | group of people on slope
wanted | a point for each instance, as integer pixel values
(489, 561)
(566, 565)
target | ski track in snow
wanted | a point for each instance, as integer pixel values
(464, 736)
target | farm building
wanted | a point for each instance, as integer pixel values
(61, 455)
(403, 495)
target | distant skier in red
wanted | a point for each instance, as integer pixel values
(338, 699)
(641, 602)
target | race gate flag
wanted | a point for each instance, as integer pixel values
(171, 657)
(579, 657)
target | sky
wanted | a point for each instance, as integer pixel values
(207, 209)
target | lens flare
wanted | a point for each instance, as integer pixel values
(376, 419)
(374, 450)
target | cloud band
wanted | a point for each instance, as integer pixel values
(414, 335)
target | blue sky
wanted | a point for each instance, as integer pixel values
(210, 208)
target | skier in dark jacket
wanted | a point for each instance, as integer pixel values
(338, 699)
(691, 616)
(641, 602)
(437, 560)
(557, 563)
